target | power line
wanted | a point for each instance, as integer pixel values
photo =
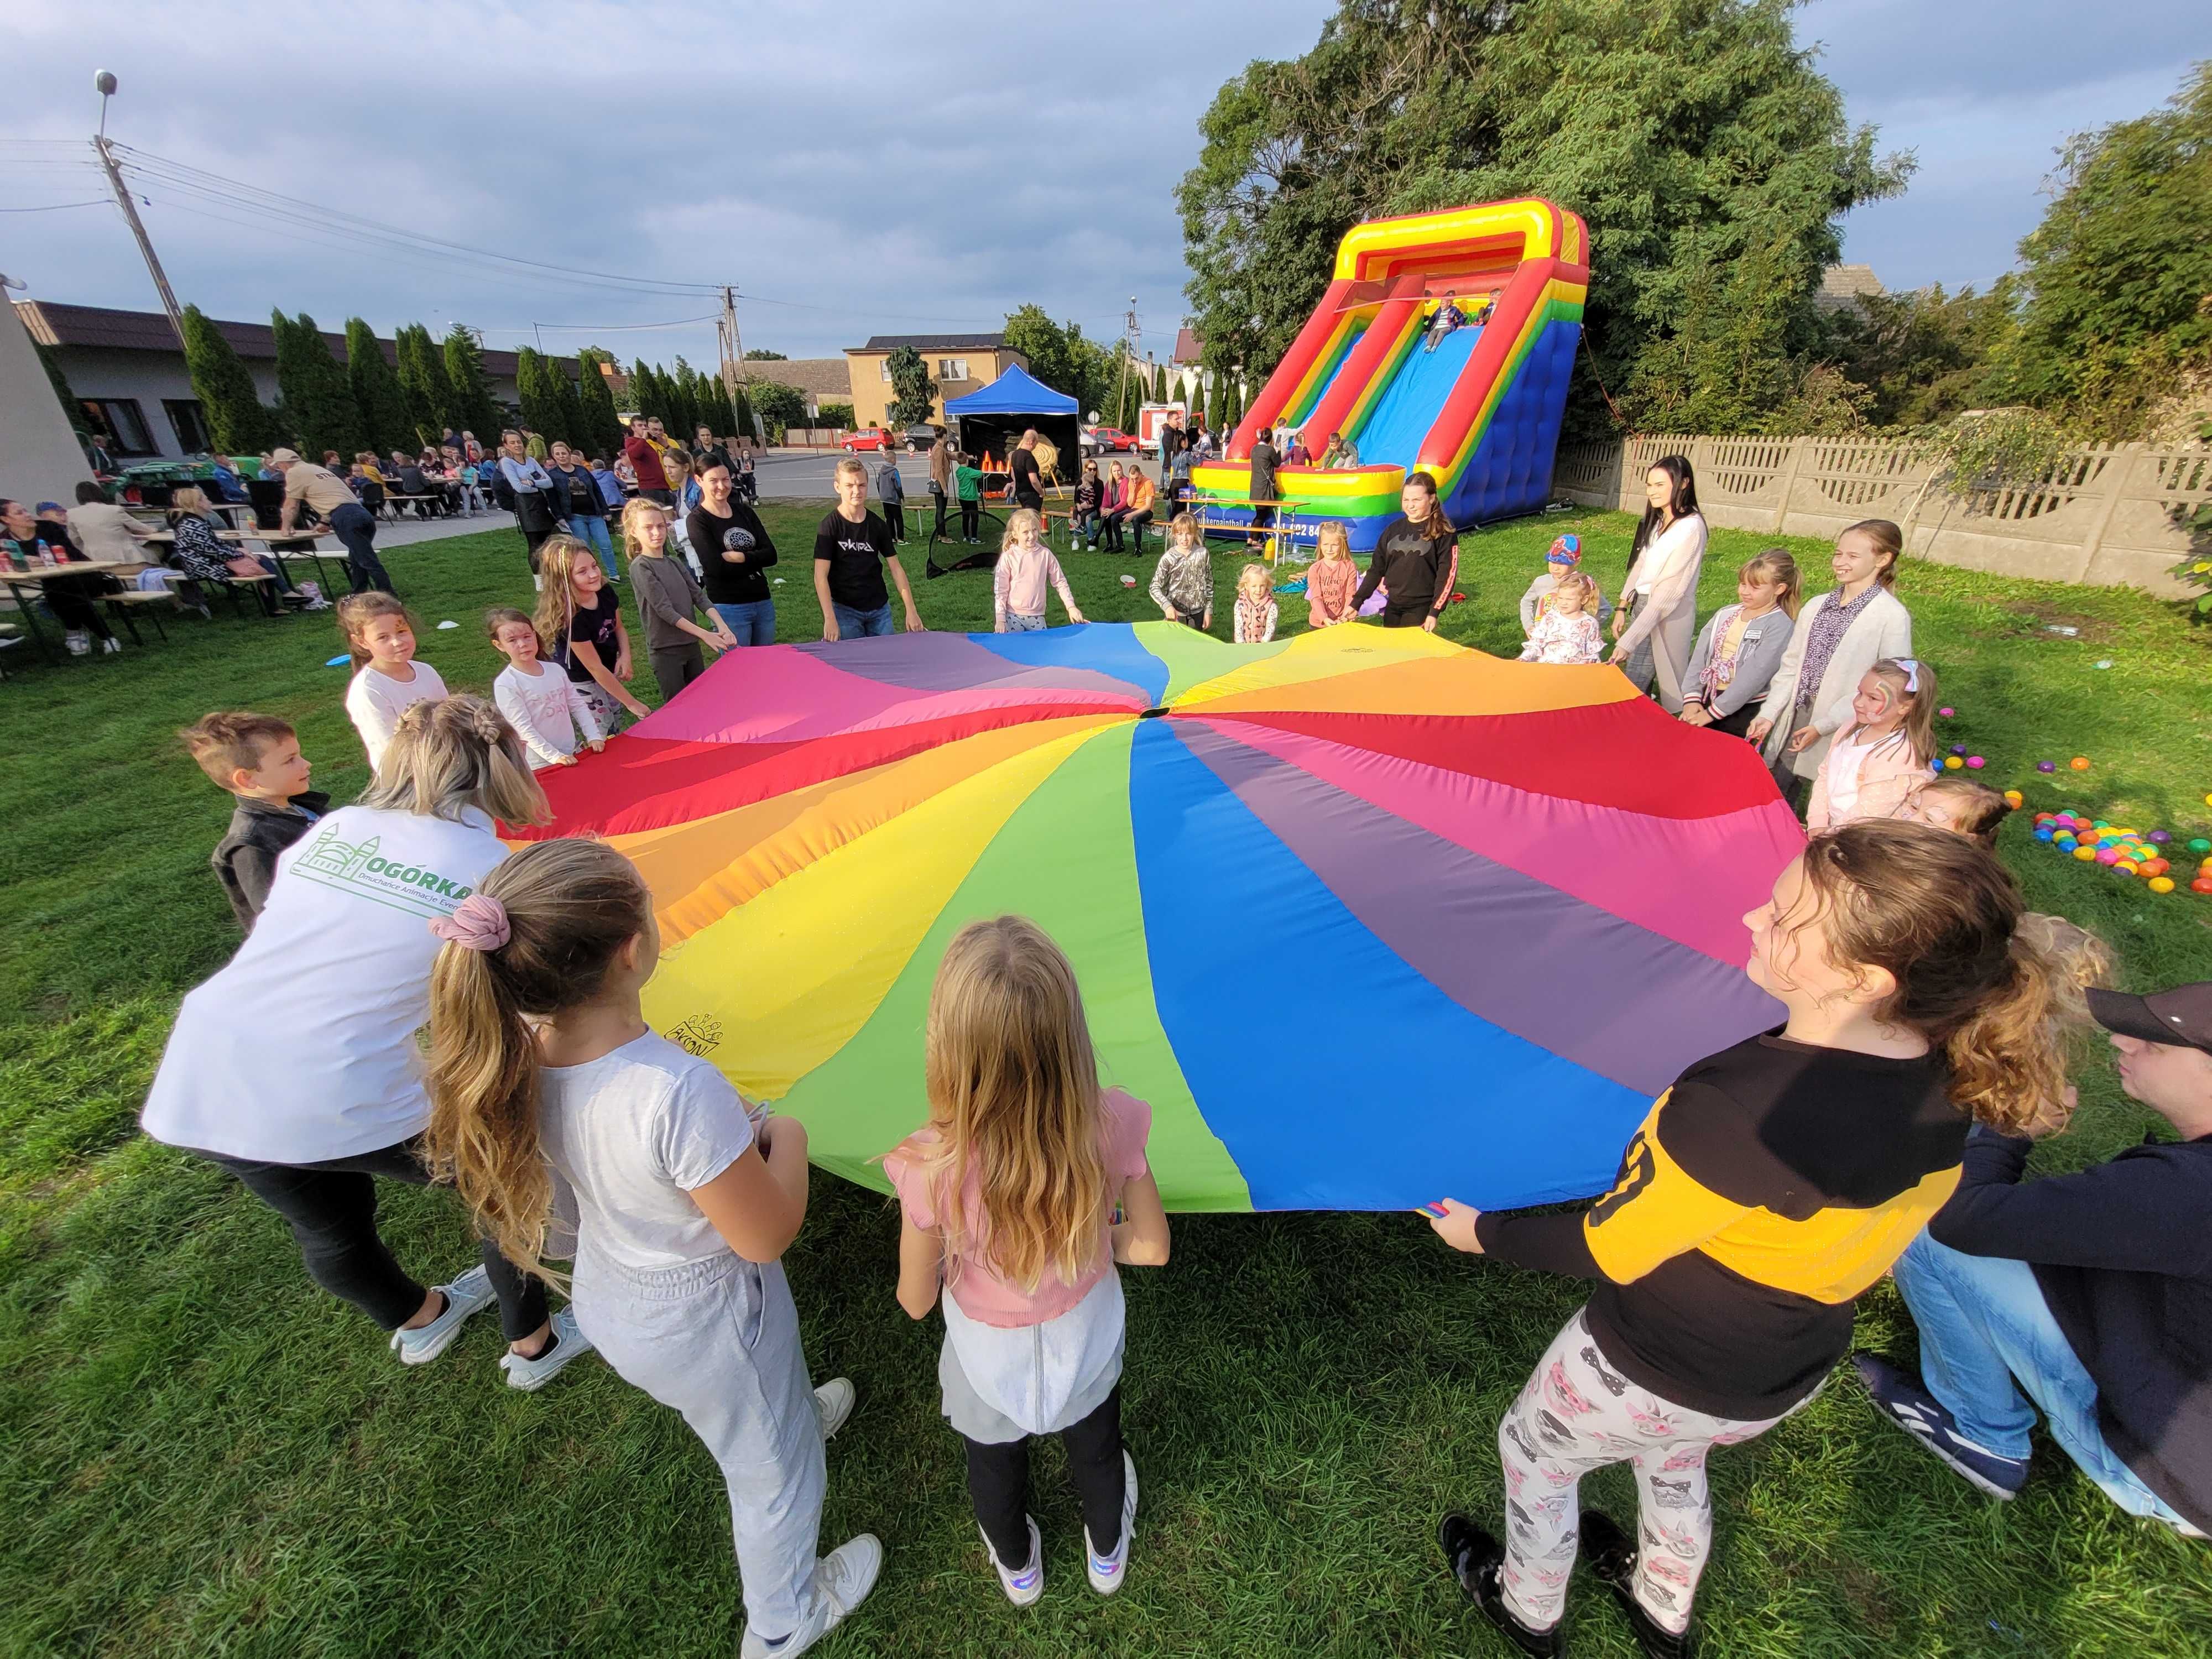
(56, 207)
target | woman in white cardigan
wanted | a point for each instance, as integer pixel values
(1657, 622)
(1839, 635)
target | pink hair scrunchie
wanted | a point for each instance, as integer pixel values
(478, 923)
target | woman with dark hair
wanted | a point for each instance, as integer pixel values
(1416, 559)
(1657, 622)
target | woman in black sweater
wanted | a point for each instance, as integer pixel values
(1416, 559)
(1769, 1187)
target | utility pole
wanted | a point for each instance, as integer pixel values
(732, 346)
(1131, 335)
(104, 84)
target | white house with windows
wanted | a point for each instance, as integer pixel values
(134, 393)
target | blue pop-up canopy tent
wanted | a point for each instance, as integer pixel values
(994, 419)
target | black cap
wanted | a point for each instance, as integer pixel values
(2180, 1017)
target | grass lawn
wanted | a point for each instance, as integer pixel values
(201, 1455)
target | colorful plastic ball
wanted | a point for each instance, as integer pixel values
(2202, 885)
(2085, 853)
(1976, 761)
(2046, 766)
(2126, 866)
(2155, 867)
(2161, 884)
(2043, 835)
(2079, 763)
(2160, 837)
(2107, 855)
(1947, 713)
(2207, 800)
(2198, 844)
(1958, 747)
(2064, 842)
(2014, 800)
(1953, 762)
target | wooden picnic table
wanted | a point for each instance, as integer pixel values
(1283, 532)
(34, 579)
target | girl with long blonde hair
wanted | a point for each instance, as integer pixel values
(1743, 644)
(1024, 1188)
(551, 1096)
(1331, 578)
(295, 1067)
(1769, 1187)
(580, 625)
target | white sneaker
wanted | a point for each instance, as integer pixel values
(841, 1579)
(568, 1343)
(111, 645)
(79, 643)
(835, 1399)
(470, 1293)
(1105, 1573)
(1022, 1588)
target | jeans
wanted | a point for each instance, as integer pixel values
(971, 518)
(1986, 1334)
(332, 1208)
(999, 1484)
(352, 524)
(753, 622)
(1084, 527)
(593, 532)
(862, 624)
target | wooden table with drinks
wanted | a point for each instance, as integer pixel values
(25, 582)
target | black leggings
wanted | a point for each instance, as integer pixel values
(938, 500)
(999, 1484)
(971, 519)
(332, 1207)
(1113, 523)
(894, 516)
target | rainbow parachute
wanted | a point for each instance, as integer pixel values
(1367, 917)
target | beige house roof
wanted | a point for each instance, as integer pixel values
(1841, 284)
(821, 377)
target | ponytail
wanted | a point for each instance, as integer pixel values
(1942, 917)
(569, 908)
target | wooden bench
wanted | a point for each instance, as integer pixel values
(142, 598)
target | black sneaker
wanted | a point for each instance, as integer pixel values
(1899, 1397)
(1475, 1558)
(1611, 1556)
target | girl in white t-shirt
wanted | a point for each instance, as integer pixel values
(1021, 1192)
(387, 681)
(1878, 761)
(295, 1067)
(545, 706)
(553, 1098)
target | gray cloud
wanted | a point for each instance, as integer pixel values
(864, 169)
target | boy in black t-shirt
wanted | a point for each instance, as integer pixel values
(851, 547)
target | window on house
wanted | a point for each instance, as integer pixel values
(885, 367)
(119, 424)
(952, 369)
(189, 425)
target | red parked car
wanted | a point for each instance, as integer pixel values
(1097, 438)
(874, 438)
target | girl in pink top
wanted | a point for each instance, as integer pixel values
(1878, 762)
(1025, 567)
(1331, 578)
(1025, 1187)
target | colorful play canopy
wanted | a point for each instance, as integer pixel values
(1367, 917)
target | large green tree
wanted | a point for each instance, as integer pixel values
(376, 392)
(423, 384)
(2119, 273)
(779, 406)
(603, 432)
(536, 385)
(1709, 156)
(472, 408)
(238, 423)
(914, 393)
(1922, 358)
(318, 400)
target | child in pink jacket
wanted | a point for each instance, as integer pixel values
(1879, 761)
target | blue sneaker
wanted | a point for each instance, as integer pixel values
(1899, 1397)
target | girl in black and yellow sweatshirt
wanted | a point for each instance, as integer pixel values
(1769, 1186)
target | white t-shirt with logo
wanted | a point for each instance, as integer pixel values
(632, 1133)
(375, 702)
(303, 1048)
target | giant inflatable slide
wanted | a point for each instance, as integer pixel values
(1479, 411)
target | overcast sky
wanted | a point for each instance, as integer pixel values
(856, 170)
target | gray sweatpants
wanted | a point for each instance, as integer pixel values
(719, 1341)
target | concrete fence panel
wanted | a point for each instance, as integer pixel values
(2107, 515)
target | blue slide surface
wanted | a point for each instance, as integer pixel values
(1392, 433)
